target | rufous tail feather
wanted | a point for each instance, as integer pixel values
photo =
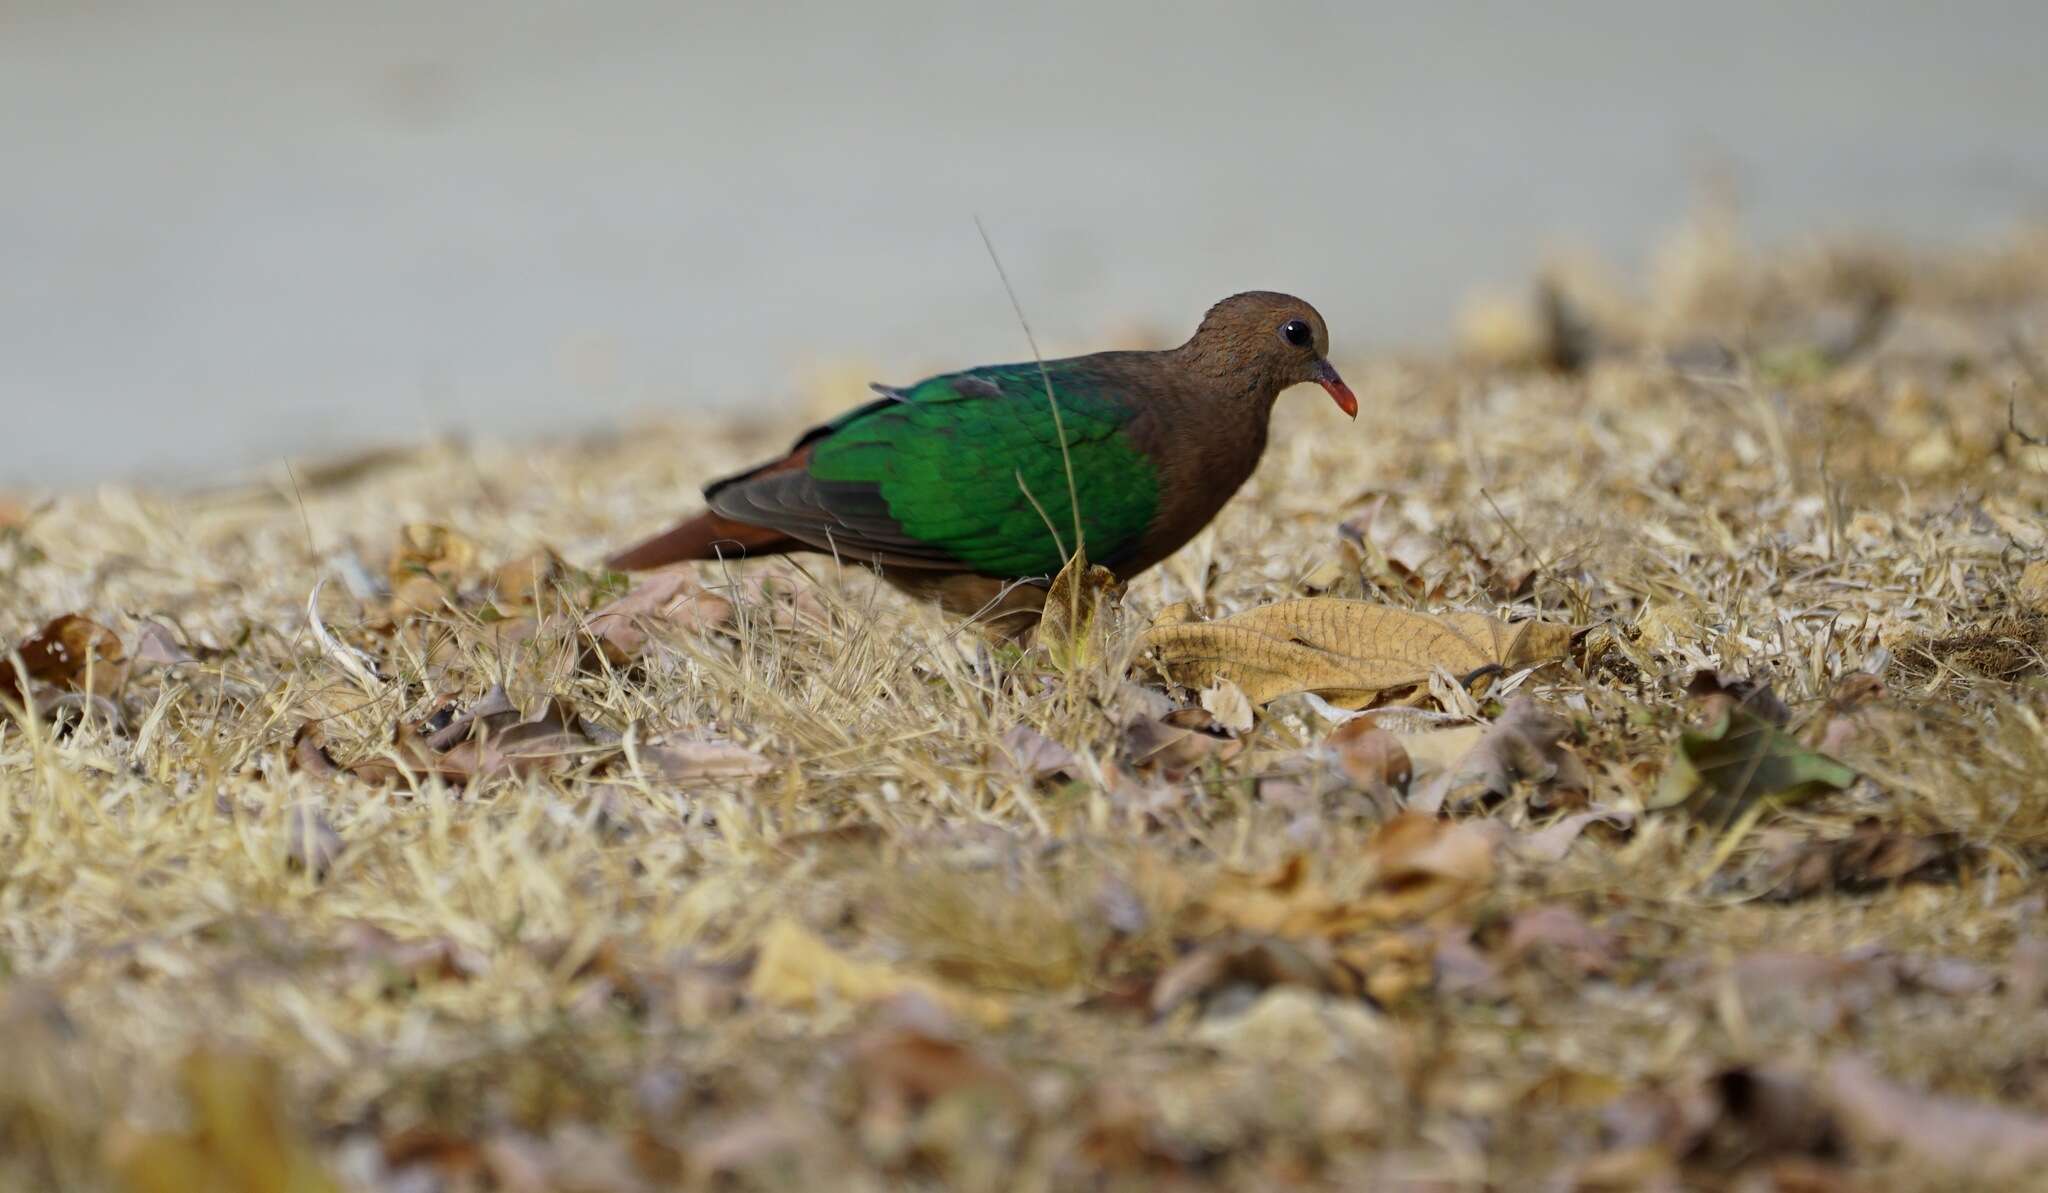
(706, 536)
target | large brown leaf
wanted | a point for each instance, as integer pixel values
(1349, 652)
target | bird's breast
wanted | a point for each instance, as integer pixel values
(1197, 478)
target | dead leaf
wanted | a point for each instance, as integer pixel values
(238, 1141)
(452, 1157)
(1870, 856)
(1737, 1120)
(1851, 712)
(1525, 745)
(1554, 840)
(520, 582)
(1370, 756)
(552, 740)
(1426, 865)
(485, 742)
(406, 757)
(1433, 751)
(1352, 653)
(427, 564)
(666, 601)
(914, 1056)
(1226, 702)
(1738, 758)
(310, 754)
(158, 646)
(1457, 966)
(1037, 756)
(493, 712)
(1972, 1139)
(400, 964)
(70, 653)
(1073, 608)
(1174, 745)
(1564, 939)
(1121, 1136)
(1252, 963)
(681, 759)
(1417, 867)
(796, 969)
(1717, 689)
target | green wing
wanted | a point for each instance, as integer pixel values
(966, 471)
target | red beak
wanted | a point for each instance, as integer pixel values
(1340, 393)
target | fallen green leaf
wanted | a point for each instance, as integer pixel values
(1721, 771)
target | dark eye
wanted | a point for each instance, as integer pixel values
(1296, 332)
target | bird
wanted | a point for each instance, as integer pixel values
(972, 489)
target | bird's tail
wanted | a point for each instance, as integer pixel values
(706, 536)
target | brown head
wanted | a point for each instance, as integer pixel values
(1265, 342)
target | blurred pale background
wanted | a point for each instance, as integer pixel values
(235, 232)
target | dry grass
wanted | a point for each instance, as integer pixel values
(554, 982)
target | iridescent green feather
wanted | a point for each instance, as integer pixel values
(980, 473)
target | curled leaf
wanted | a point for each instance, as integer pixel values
(1073, 608)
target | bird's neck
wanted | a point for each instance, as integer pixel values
(1222, 373)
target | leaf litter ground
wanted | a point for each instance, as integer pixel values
(495, 873)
